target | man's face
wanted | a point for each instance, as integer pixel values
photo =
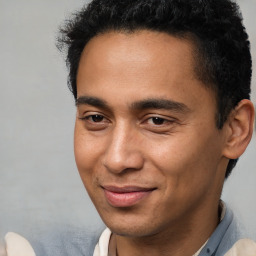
(146, 143)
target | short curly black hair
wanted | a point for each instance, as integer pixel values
(223, 56)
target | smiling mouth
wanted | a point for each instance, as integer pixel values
(125, 196)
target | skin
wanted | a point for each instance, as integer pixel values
(145, 120)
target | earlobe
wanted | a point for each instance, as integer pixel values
(239, 129)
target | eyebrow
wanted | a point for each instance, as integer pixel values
(151, 103)
(93, 101)
(161, 104)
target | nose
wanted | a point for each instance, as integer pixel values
(123, 152)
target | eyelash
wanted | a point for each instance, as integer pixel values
(90, 118)
(156, 123)
(159, 121)
(94, 116)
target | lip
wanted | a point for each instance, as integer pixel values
(125, 196)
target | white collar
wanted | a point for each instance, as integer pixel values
(101, 249)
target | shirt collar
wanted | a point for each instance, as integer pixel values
(214, 241)
(209, 249)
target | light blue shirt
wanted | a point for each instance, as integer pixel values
(81, 242)
(224, 236)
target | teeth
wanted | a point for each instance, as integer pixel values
(17, 245)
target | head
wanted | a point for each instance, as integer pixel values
(223, 60)
(160, 88)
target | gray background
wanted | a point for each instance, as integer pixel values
(39, 183)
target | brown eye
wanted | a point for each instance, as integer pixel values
(95, 118)
(157, 120)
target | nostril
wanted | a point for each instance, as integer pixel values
(123, 153)
(121, 164)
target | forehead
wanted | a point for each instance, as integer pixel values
(139, 64)
(141, 48)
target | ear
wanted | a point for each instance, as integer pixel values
(239, 129)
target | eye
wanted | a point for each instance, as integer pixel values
(95, 118)
(95, 121)
(159, 124)
(157, 120)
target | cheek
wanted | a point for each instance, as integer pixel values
(186, 174)
(86, 158)
(186, 161)
(85, 150)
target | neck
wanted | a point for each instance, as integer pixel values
(184, 238)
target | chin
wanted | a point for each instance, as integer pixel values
(128, 227)
(131, 231)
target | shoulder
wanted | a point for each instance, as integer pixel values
(235, 232)
(66, 242)
(227, 233)
(243, 247)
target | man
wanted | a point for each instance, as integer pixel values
(163, 113)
